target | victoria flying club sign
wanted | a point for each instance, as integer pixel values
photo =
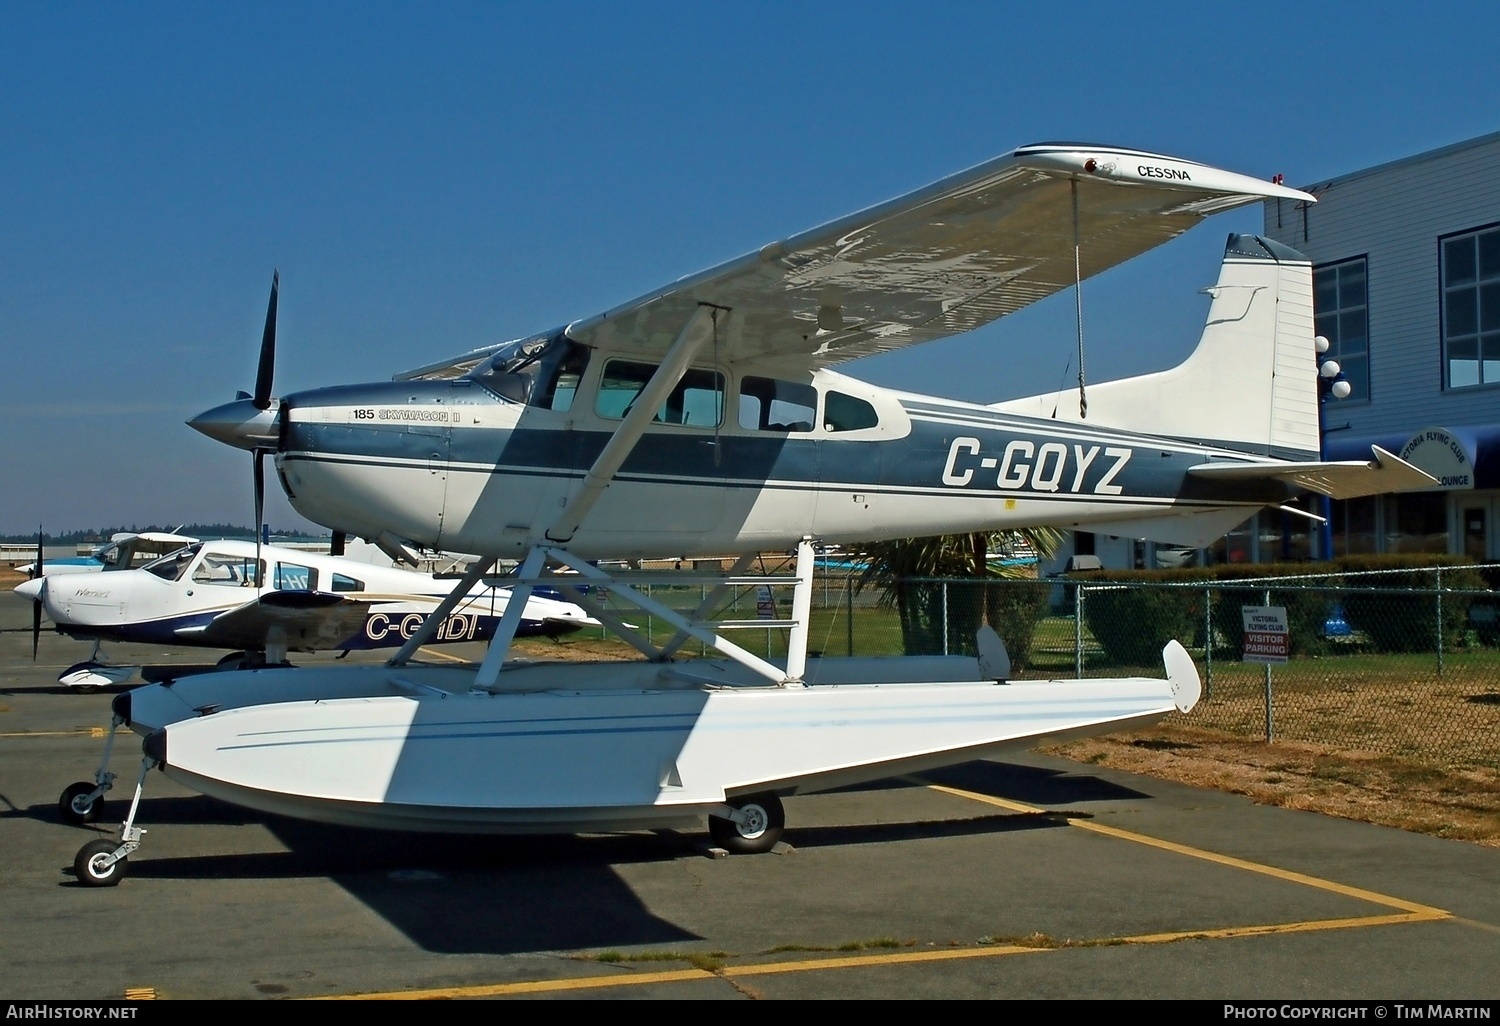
(1443, 455)
(1266, 637)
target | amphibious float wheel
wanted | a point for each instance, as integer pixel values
(89, 865)
(76, 807)
(764, 821)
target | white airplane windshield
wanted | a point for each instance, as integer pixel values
(535, 372)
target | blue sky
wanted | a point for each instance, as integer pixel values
(430, 178)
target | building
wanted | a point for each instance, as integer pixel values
(1406, 283)
(1406, 288)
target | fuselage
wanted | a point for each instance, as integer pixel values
(737, 461)
(174, 598)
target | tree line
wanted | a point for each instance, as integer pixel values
(103, 534)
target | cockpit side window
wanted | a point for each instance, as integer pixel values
(535, 372)
(846, 413)
(697, 401)
(767, 404)
(223, 568)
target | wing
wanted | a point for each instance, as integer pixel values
(940, 261)
(311, 620)
(1343, 479)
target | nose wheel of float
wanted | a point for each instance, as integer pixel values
(103, 863)
(80, 802)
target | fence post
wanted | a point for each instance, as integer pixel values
(945, 616)
(849, 617)
(1270, 722)
(1439, 576)
(1208, 641)
(1078, 628)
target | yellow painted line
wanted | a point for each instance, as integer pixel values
(1419, 910)
(626, 979)
(1411, 912)
(435, 654)
(90, 732)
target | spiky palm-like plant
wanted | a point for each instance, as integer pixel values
(904, 570)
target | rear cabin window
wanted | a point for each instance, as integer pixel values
(342, 583)
(846, 413)
(767, 404)
(291, 577)
(697, 401)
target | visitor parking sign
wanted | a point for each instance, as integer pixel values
(1266, 637)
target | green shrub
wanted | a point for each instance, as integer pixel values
(1133, 624)
(1012, 607)
(1397, 611)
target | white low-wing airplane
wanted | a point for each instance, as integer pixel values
(705, 417)
(206, 594)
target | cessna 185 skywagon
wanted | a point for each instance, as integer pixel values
(705, 417)
(264, 601)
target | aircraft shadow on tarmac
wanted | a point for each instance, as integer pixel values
(501, 894)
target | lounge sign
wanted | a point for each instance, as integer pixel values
(1443, 455)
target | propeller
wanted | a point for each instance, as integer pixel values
(262, 401)
(36, 603)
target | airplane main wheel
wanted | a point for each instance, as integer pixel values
(762, 828)
(76, 807)
(89, 867)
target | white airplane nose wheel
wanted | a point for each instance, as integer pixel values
(755, 829)
(96, 865)
(80, 803)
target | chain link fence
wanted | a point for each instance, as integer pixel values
(1403, 663)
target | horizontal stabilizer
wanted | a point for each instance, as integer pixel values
(1342, 479)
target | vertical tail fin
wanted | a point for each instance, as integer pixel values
(1251, 384)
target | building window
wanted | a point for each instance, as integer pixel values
(1354, 530)
(1341, 315)
(1416, 522)
(1471, 308)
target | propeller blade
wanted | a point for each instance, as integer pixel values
(267, 350)
(36, 605)
(336, 545)
(260, 501)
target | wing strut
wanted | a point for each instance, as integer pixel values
(708, 632)
(1083, 399)
(700, 327)
(435, 618)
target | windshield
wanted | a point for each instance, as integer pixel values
(536, 371)
(174, 564)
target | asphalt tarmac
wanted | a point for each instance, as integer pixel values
(1025, 879)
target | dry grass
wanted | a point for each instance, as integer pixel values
(1463, 804)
